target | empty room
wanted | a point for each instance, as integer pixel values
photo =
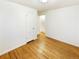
(39, 29)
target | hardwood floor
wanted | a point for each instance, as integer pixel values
(44, 48)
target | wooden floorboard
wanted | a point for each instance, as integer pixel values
(44, 48)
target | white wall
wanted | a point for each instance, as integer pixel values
(63, 24)
(18, 24)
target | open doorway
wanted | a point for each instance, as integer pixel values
(42, 23)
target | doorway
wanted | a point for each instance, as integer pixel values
(42, 23)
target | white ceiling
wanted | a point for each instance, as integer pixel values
(52, 4)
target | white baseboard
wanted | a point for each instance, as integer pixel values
(17, 46)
